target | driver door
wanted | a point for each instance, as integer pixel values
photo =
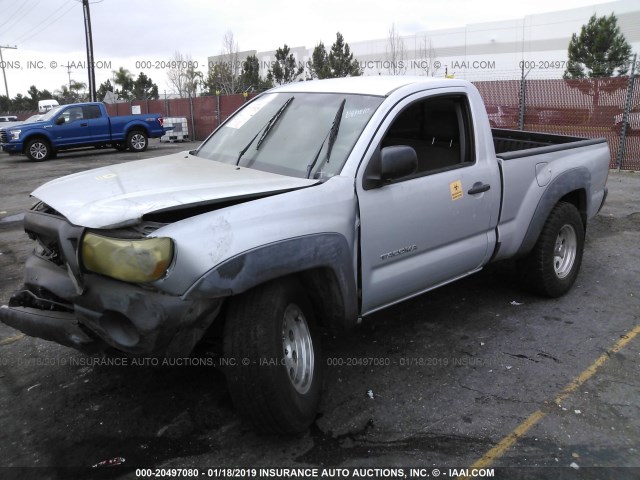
(74, 130)
(437, 224)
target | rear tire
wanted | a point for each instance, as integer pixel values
(276, 381)
(553, 265)
(137, 141)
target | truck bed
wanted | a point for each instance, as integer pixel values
(529, 162)
(510, 144)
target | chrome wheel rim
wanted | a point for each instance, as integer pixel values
(38, 151)
(564, 255)
(297, 349)
(138, 141)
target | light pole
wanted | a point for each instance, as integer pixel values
(4, 76)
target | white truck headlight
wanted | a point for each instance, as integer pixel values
(136, 261)
(15, 134)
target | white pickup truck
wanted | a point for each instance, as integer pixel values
(313, 206)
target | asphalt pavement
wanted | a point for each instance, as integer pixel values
(477, 374)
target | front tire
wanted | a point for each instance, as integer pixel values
(137, 141)
(38, 150)
(276, 381)
(553, 265)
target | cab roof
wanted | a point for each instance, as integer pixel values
(380, 85)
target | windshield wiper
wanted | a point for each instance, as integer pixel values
(273, 121)
(332, 135)
(267, 128)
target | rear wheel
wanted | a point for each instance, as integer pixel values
(137, 141)
(552, 266)
(38, 150)
(276, 381)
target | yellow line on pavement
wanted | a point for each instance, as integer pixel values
(518, 432)
(15, 338)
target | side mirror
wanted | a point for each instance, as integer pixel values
(60, 120)
(389, 164)
(397, 162)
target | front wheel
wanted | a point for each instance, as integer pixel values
(38, 150)
(552, 266)
(275, 375)
(137, 141)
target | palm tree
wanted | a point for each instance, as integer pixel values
(63, 94)
(76, 87)
(123, 77)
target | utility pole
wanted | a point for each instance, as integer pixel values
(69, 73)
(4, 76)
(89, 41)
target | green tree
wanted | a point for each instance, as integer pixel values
(144, 88)
(37, 95)
(319, 64)
(285, 69)
(216, 80)
(20, 103)
(192, 78)
(341, 59)
(78, 90)
(124, 79)
(104, 87)
(63, 95)
(5, 104)
(250, 79)
(339, 62)
(600, 52)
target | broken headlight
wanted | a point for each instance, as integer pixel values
(136, 261)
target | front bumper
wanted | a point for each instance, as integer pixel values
(93, 313)
(107, 315)
(60, 327)
(11, 147)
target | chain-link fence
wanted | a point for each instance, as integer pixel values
(203, 114)
(590, 108)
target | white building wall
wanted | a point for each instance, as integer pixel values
(492, 50)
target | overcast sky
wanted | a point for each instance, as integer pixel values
(126, 31)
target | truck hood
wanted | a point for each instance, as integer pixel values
(119, 195)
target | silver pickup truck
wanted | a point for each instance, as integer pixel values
(313, 206)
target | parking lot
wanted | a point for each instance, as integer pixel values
(477, 373)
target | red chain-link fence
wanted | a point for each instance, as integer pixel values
(590, 108)
(203, 114)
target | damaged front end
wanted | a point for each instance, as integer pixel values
(62, 300)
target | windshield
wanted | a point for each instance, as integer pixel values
(51, 113)
(294, 134)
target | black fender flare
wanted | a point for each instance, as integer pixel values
(283, 258)
(568, 182)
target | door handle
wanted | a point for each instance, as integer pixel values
(479, 188)
(85, 124)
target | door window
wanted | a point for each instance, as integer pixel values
(438, 129)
